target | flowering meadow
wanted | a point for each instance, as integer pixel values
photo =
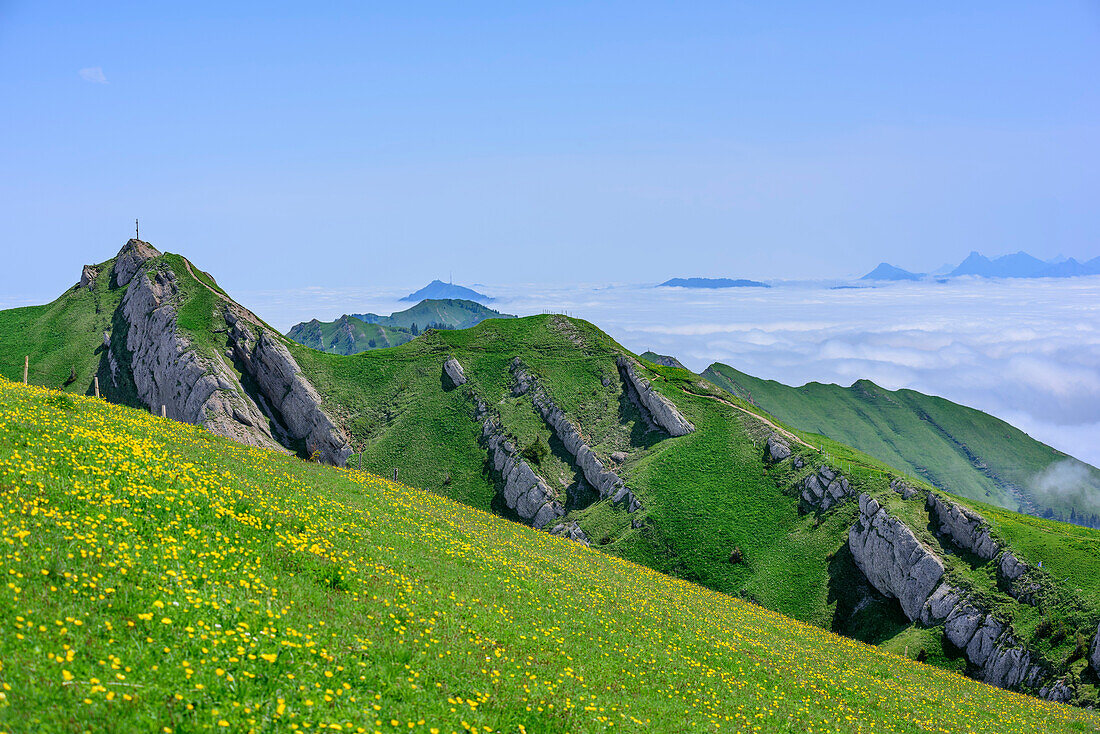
(159, 578)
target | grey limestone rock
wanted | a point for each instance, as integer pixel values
(825, 489)
(130, 258)
(606, 482)
(285, 390)
(967, 529)
(454, 372)
(776, 449)
(892, 559)
(524, 492)
(88, 276)
(903, 489)
(661, 410)
(167, 370)
(618, 457)
(572, 531)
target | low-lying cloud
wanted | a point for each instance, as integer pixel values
(1026, 351)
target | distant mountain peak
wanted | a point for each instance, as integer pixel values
(886, 271)
(712, 283)
(438, 290)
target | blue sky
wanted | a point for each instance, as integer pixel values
(369, 145)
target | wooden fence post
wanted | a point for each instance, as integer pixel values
(163, 411)
(395, 474)
(95, 381)
(26, 367)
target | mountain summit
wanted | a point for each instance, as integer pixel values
(438, 290)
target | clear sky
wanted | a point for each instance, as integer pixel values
(301, 144)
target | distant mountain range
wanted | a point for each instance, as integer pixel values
(1018, 265)
(713, 283)
(354, 333)
(437, 290)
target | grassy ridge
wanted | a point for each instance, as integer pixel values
(163, 577)
(965, 451)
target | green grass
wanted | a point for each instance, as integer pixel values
(962, 450)
(162, 577)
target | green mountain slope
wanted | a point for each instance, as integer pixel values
(347, 335)
(963, 450)
(241, 589)
(355, 333)
(550, 414)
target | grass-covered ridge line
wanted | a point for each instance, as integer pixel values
(159, 576)
(963, 450)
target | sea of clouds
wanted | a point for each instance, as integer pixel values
(1027, 351)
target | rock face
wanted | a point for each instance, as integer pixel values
(606, 482)
(892, 559)
(199, 386)
(88, 276)
(660, 409)
(293, 401)
(524, 492)
(167, 370)
(572, 531)
(776, 449)
(825, 489)
(130, 258)
(454, 372)
(900, 566)
(967, 529)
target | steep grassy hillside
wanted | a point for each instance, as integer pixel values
(162, 578)
(963, 450)
(351, 334)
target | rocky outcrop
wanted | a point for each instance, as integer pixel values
(659, 408)
(523, 491)
(966, 529)
(130, 258)
(88, 276)
(454, 372)
(906, 492)
(572, 531)
(167, 370)
(606, 482)
(776, 449)
(1013, 574)
(892, 559)
(293, 402)
(825, 489)
(898, 565)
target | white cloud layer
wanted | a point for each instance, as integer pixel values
(1027, 351)
(93, 74)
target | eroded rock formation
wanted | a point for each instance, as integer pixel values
(825, 488)
(167, 370)
(293, 402)
(523, 491)
(659, 408)
(776, 449)
(966, 529)
(900, 566)
(572, 531)
(606, 482)
(454, 372)
(130, 258)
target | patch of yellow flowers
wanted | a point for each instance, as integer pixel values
(161, 579)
